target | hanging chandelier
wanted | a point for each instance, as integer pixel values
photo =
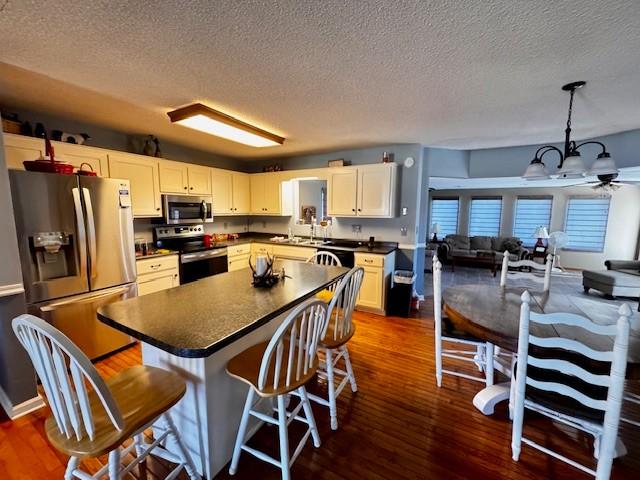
(571, 164)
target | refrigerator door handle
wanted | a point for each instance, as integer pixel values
(82, 234)
(89, 298)
(91, 227)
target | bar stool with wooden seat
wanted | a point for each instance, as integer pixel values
(340, 329)
(96, 421)
(276, 369)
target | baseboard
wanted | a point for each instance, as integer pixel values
(15, 411)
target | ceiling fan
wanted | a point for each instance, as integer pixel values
(608, 183)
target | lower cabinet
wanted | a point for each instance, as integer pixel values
(238, 257)
(376, 282)
(286, 252)
(157, 273)
(261, 249)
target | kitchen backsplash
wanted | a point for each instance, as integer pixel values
(143, 227)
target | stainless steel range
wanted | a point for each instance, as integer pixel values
(197, 258)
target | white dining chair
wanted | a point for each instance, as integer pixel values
(543, 267)
(340, 329)
(324, 258)
(482, 353)
(556, 381)
(276, 369)
(90, 422)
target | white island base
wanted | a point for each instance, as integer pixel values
(209, 414)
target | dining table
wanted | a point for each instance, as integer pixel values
(492, 313)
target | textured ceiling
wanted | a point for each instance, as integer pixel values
(330, 74)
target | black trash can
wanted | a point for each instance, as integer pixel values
(401, 292)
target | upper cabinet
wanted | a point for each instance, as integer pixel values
(142, 173)
(363, 191)
(270, 195)
(19, 148)
(231, 192)
(183, 178)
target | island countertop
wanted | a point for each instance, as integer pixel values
(199, 318)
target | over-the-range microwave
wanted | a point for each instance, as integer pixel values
(187, 209)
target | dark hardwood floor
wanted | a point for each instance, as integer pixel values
(398, 425)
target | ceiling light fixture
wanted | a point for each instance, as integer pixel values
(207, 120)
(571, 163)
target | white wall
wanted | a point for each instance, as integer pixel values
(623, 226)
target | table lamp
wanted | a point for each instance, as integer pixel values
(435, 228)
(540, 233)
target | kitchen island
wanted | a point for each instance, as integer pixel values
(195, 329)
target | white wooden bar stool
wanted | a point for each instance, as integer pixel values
(482, 353)
(545, 267)
(279, 368)
(96, 421)
(566, 392)
(324, 258)
(340, 329)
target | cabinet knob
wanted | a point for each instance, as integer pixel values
(353, 209)
(190, 188)
(359, 209)
(158, 209)
(185, 188)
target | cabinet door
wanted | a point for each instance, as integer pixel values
(173, 177)
(222, 192)
(261, 249)
(237, 263)
(199, 180)
(18, 148)
(241, 193)
(76, 155)
(371, 290)
(374, 191)
(158, 282)
(257, 194)
(142, 174)
(341, 189)
(272, 193)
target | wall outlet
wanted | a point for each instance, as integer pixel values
(225, 225)
(403, 231)
(356, 228)
(264, 224)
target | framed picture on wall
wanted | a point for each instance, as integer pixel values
(307, 212)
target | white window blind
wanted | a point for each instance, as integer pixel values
(586, 223)
(444, 212)
(485, 216)
(531, 212)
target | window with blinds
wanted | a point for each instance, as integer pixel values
(485, 216)
(531, 212)
(444, 212)
(586, 223)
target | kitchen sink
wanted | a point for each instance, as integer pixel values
(314, 242)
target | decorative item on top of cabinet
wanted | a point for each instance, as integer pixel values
(142, 173)
(363, 191)
(376, 282)
(157, 273)
(74, 138)
(231, 192)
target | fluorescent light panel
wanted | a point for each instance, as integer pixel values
(207, 120)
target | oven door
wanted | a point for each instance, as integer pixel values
(182, 209)
(197, 265)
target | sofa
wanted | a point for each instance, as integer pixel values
(621, 278)
(470, 246)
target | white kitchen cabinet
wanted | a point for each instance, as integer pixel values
(238, 257)
(142, 173)
(184, 178)
(157, 273)
(290, 252)
(376, 281)
(19, 148)
(363, 191)
(231, 192)
(270, 195)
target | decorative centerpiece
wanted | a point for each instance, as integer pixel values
(263, 274)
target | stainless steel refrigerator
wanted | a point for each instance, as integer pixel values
(75, 237)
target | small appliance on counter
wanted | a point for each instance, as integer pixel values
(199, 257)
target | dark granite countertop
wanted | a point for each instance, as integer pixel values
(380, 248)
(199, 318)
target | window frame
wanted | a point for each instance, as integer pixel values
(515, 214)
(446, 198)
(487, 197)
(606, 225)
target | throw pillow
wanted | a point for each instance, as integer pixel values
(512, 245)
